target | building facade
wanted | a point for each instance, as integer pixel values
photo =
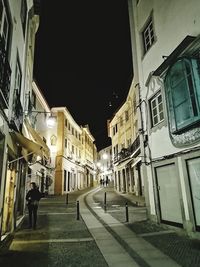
(18, 25)
(166, 67)
(74, 153)
(123, 130)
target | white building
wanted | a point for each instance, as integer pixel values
(18, 25)
(165, 45)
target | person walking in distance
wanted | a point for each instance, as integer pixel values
(33, 197)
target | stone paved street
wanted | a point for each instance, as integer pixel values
(62, 240)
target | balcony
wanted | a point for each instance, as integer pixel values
(135, 145)
(5, 74)
(133, 149)
(17, 112)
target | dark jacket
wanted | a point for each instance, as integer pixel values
(33, 196)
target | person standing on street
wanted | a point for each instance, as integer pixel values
(33, 197)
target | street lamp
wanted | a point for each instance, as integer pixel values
(99, 164)
(50, 121)
(105, 156)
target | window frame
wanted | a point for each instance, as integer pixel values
(152, 37)
(18, 76)
(175, 126)
(155, 98)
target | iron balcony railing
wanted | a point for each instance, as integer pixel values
(126, 152)
(5, 74)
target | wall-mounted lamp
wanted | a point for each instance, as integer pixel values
(105, 156)
(50, 121)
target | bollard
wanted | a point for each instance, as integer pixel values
(105, 201)
(67, 197)
(78, 211)
(127, 219)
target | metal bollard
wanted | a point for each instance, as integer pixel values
(67, 198)
(105, 201)
(78, 210)
(127, 218)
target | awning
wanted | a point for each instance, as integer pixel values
(38, 139)
(27, 143)
(123, 164)
(136, 161)
(181, 50)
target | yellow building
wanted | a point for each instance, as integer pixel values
(89, 156)
(123, 130)
(74, 153)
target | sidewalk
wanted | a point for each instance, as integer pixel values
(171, 241)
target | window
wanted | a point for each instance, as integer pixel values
(69, 126)
(156, 105)
(126, 115)
(53, 140)
(4, 24)
(33, 99)
(18, 76)
(73, 130)
(65, 143)
(65, 122)
(182, 85)
(23, 14)
(148, 35)
(116, 128)
(113, 130)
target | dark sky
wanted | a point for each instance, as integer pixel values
(83, 59)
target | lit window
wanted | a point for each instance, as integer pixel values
(156, 104)
(148, 35)
(182, 85)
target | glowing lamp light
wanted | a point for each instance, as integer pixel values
(51, 121)
(105, 156)
(98, 164)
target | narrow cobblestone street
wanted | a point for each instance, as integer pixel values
(62, 240)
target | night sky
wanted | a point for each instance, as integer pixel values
(83, 59)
